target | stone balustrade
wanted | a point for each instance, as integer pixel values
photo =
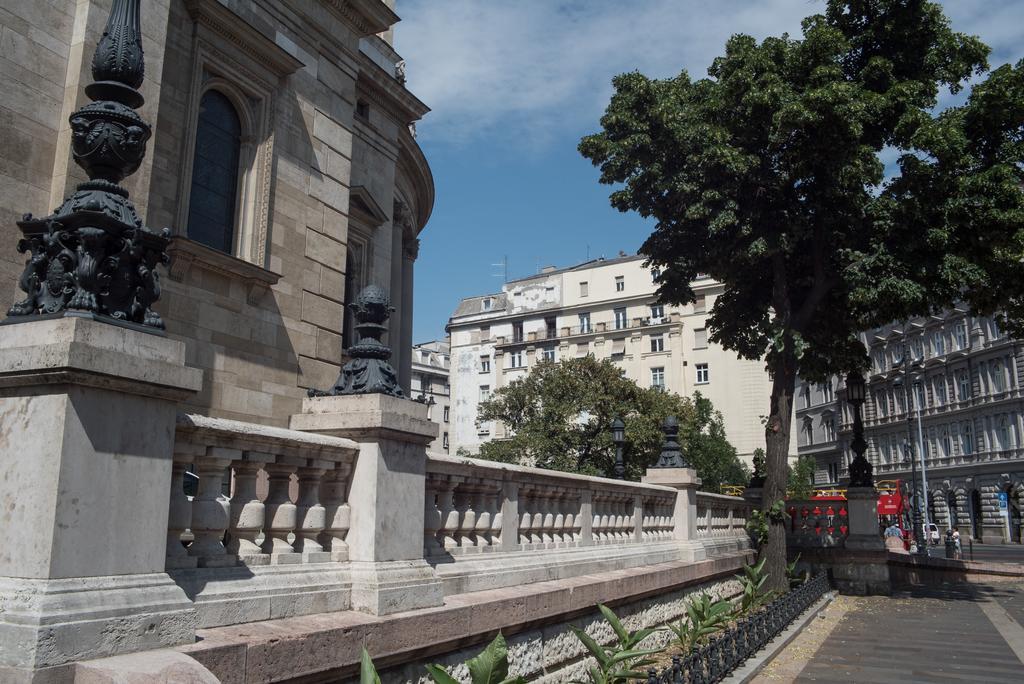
(479, 507)
(266, 496)
(720, 516)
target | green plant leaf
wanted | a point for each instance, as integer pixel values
(440, 675)
(491, 665)
(613, 620)
(367, 672)
(595, 649)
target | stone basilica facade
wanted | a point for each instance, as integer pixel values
(283, 160)
(960, 376)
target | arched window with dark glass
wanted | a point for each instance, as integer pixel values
(212, 201)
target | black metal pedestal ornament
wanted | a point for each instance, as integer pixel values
(671, 453)
(369, 371)
(93, 254)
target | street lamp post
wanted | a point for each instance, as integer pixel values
(910, 401)
(861, 472)
(619, 437)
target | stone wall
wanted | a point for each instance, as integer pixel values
(553, 653)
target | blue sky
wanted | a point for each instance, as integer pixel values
(514, 84)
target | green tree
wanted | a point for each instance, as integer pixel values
(801, 478)
(559, 417)
(769, 177)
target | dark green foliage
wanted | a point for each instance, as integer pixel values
(801, 478)
(703, 618)
(560, 415)
(490, 666)
(768, 176)
(754, 593)
(623, 660)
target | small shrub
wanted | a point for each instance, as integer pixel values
(795, 579)
(623, 660)
(703, 618)
(490, 666)
(752, 581)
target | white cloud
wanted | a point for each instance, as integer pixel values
(535, 69)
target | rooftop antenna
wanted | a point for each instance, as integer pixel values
(503, 265)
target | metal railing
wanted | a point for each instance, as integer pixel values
(713, 660)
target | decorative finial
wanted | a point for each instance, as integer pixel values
(369, 371)
(671, 454)
(94, 255)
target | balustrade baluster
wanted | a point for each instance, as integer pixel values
(498, 519)
(558, 511)
(525, 517)
(311, 516)
(482, 530)
(179, 517)
(247, 511)
(467, 516)
(210, 509)
(281, 513)
(337, 511)
(450, 512)
(537, 523)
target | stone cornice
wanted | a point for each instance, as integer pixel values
(412, 165)
(383, 89)
(366, 16)
(242, 35)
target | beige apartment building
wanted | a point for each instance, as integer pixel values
(607, 308)
(282, 160)
(430, 362)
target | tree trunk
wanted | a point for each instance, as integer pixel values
(777, 431)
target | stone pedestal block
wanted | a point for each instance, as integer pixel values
(862, 503)
(386, 496)
(685, 482)
(87, 420)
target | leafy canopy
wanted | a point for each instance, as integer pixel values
(559, 416)
(768, 176)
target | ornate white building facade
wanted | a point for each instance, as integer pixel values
(958, 393)
(607, 308)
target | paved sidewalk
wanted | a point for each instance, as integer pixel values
(944, 634)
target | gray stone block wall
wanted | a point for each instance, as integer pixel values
(552, 653)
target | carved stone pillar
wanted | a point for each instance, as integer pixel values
(210, 509)
(337, 512)
(311, 516)
(248, 514)
(281, 513)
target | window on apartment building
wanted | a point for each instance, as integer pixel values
(517, 331)
(485, 333)
(488, 303)
(655, 274)
(963, 381)
(485, 392)
(485, 364)
(827, 394)
(549, 354)
(657, 343)
(657, 312)
(938, 343)
(882, 403)
(700, 338)
(446, 413)
(945, 442)
(620, 318)
(919, 396)
(967, 438)
(828, 424)
(917, 348)
(584, 288)
(215, 170)
(808, 429)
(426, 384)
(551, 327)
(515, 359)
(962, 338)
(833, 472)
(994, 327)
(444, 441)
(1004, 433)
(703, 374)
(620, 283)
(805, 396)
(939, 391)
(658, 377)
(998, 376)
(584, 322)
(700, 304)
